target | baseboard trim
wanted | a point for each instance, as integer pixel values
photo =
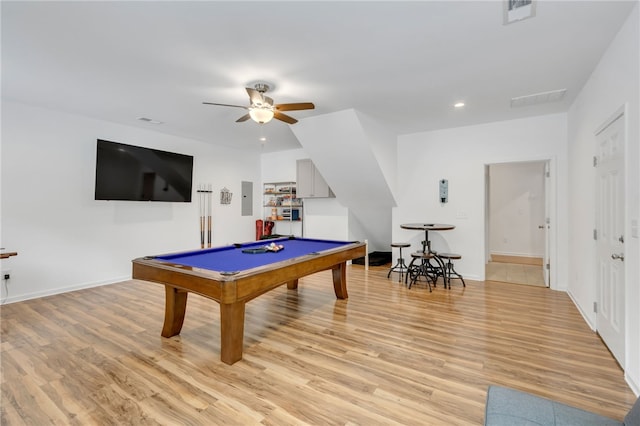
(584, 316)
(39, 294)
(634, 387)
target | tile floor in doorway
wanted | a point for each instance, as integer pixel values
(514, 273)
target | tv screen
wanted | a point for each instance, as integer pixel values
(127, 172)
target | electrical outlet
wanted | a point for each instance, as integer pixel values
(6, 274)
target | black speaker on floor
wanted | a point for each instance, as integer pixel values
(376, 258)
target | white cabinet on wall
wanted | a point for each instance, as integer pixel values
(311, 184)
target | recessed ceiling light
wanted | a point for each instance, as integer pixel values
(458, 104)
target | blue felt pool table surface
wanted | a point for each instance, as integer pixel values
(234, 258)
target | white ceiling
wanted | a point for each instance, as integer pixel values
(402, 63)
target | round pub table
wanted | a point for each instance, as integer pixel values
(426, 227)
(426, 267)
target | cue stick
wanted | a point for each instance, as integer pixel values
(210, 189)
(200, 198)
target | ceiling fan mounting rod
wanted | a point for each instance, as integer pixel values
(262, 87)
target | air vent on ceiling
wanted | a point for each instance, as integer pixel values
(538, 98)
(518, 10)
(149, 120)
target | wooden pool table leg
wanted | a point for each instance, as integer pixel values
(292, 285)
(231, 331)
(174, 309)
(339, 273)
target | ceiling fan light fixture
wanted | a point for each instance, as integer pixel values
(262, 109)
(261, 115)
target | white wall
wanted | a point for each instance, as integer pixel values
(613, 84)
(324, 218)
(64, 238)
(383, 146)
(460, 155)
(516, 209)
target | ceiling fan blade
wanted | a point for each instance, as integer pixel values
(243, 118)
(255, 96)
(283, 117)
(294, 107)
(268, 100)
(227, 105)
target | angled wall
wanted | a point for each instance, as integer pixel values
(357, 158)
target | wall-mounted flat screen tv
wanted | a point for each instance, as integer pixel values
(133, 173)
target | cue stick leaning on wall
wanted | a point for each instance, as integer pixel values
(201, 212)
(209, 201)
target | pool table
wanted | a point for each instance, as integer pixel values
(233, 275)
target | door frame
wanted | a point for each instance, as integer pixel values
(546, 261)
(550, 208)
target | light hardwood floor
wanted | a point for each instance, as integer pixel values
(387, 355)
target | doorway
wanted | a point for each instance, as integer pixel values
(517, 223)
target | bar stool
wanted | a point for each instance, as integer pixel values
(448, 269)
(400, 267)
(424, 269)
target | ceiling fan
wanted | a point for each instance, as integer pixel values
(262, 109)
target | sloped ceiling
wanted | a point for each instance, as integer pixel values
(402, 63)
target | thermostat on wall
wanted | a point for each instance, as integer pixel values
(444, 190)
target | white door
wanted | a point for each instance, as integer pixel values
(610, 236)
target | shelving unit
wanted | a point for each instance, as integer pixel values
(282, 207)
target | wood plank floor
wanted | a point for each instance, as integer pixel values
(387, 355)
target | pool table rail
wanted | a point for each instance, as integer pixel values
(223, 287)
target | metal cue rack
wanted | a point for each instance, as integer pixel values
(204, 206)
